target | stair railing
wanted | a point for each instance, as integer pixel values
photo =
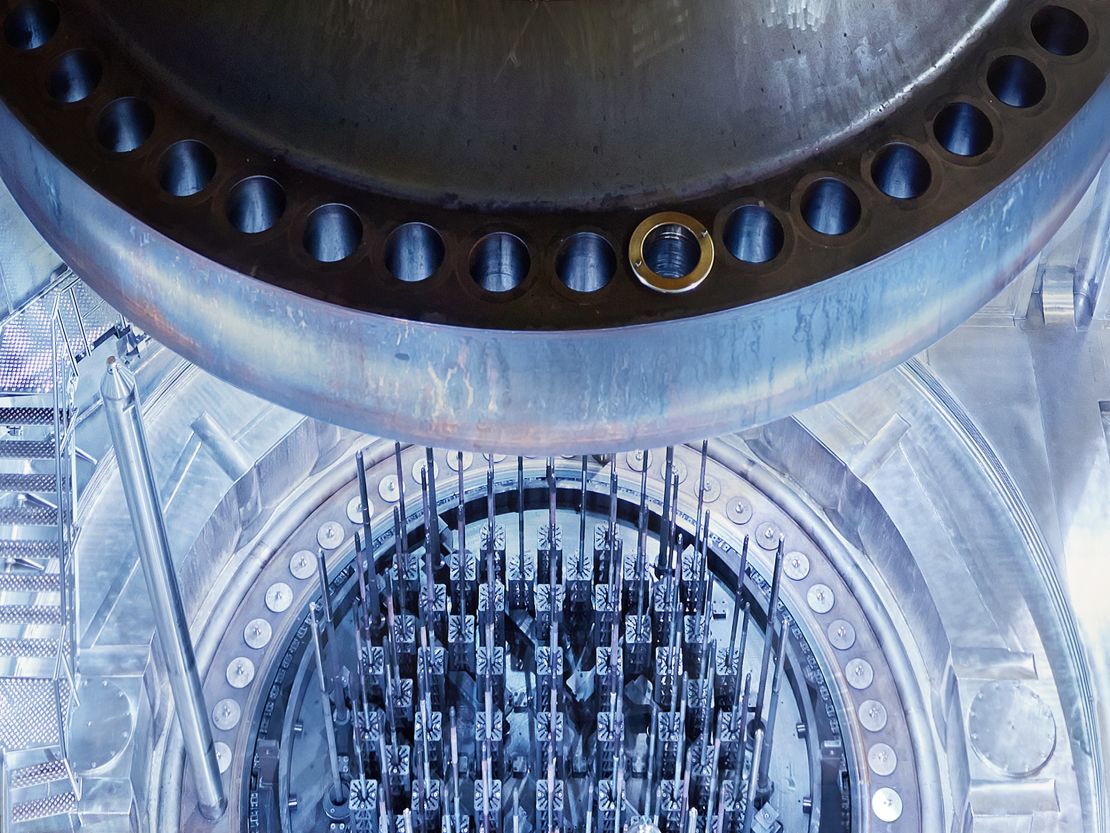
(64, 368)
(5, 791)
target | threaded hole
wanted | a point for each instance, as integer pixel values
(753, 234)
(585, 262)
(74, 76)
(333, 233)
(124, 125)
(255, 204)
(499, 262)
(186, 168)
(1060, 31)
(413, 252)
(963, 129)
(830, 207)
(31, 24)
(901, 172)
(671, 250)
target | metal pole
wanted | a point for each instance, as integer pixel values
(5, 793)
(331, 659)
(338, 798)
(124, 413)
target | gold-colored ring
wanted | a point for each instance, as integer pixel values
(660, 283)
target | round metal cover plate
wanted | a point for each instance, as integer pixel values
(103, 704)
(1012, 728)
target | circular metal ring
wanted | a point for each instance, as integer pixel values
(671, 252)
(485, 353)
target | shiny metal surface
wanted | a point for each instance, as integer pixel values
(569, 104)
(124, 416)
(575, 391)
(25, 260)
(291, 699)
(898, 167)
(876, 238)
(967, 568)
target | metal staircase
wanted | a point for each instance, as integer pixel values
(40, 348)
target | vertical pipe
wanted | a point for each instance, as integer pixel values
(641, 540)
(749, 805)
(432, 528)
(772, 613)
(124, 414)
(5, 792)
(520, 511)
(400, 486)
(428, 609)
(763, 781)
(582, 514)
(553, 643)
(368, 542)
(455, 757)
(337, 796)
(701, 530)
(331, 656)
(463, 559)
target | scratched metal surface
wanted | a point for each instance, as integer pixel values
(570, 104)
(341, 103)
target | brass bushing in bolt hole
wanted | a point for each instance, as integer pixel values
(674, 224)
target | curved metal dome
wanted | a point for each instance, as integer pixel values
(550, 226)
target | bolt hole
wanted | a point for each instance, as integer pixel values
(186, 168)
(31, 24)
(753, 234)
(671, 250)
(901, 172)
(125, 124)
(830, 207)
(1060, 31)
(585, 262)
(1016, 81)
(333, 233)
(963, 129)
(413, 252)
(74, 76)
(499, 262)
(255, 204)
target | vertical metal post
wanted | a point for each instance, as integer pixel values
(336, 674)
(124, 414)
(5, 795)
(338, 797)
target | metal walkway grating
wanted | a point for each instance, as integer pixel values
(28, 516)
(28, 549)
(27, 354)
(27, 449)
(26, 416)
(30, 582)
(28, 483)
(28, 713)
(43, 808)
(28, 647)
(30, 615)
(42, 773)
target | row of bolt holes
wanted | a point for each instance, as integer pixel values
(586, 261)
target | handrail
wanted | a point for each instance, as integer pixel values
(5, 790)
(85, 320)
(61, 279)
(56, 352)
(64, 384)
